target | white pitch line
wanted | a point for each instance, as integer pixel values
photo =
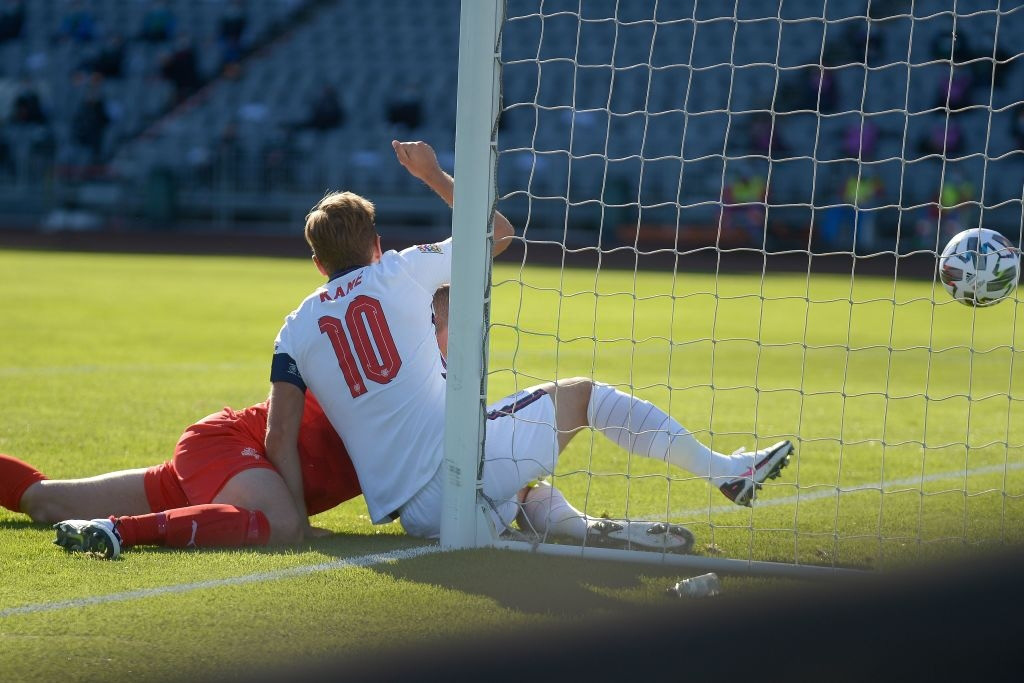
(361, 561)
(410, 553)
(832, 492)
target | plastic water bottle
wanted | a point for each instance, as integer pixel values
(701, 586)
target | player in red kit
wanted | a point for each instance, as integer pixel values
(219, 489)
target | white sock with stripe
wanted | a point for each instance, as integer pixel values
(547, 511)
(642, 428)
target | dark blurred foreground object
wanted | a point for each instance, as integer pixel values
(958, 621)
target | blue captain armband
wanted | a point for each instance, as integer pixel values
(284, 369)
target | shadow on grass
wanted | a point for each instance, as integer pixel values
(967, 611)
(531, 584)
(20, 524)
(341, 546)
(555, 586)
(338, 545)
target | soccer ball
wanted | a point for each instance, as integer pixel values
(979, 267)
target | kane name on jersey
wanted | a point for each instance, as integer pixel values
(342, 289)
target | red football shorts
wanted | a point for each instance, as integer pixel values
(221, 445)
(207, 455)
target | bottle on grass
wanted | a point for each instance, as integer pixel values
(705, 585)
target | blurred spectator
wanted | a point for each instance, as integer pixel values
(406, 110)
(27, 106)
(952, 211)
(945, 137)
(90, 121)
(954, 89)
(108, 60)
(977, 64)
(822, 85)
(851, 223)
(325, 111)
(745, 206)
(955, 206)
(7, 168)
(12, 20)
(180, 68)
(78, 24)
(1017, 128)
(30, 136)
(860, 139)
(158, 23)
(230, 30)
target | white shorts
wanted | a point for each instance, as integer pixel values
(520, 445)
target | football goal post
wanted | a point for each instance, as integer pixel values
(733, 211)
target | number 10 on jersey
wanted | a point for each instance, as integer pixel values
(375, 350)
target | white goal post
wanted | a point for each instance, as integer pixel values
(462, 524)
(734, 211)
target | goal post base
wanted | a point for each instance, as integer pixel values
(692, 562)
(488, 536)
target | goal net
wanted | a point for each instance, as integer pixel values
(733, 211)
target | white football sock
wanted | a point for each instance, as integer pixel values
(547, 511)
(644, 429)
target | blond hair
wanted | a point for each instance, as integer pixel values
(440, 308)
(340, 231)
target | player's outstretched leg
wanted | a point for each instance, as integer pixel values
(94, 536)
(545, 510)
(16, 476)
(768, 464)
(195, 526)
(24, 489)
(644, 429)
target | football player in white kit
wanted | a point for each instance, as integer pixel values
(365, 345)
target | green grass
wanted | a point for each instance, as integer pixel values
(909, 447)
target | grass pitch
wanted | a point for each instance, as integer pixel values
(905, 407)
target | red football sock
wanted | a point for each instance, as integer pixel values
(15, 477)
(196, 526)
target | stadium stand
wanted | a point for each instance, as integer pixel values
(228, 143)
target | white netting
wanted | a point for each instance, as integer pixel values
(733, 211)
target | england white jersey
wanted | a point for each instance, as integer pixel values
(365, 345)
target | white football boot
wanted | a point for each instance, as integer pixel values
(95, 536)
(657, 536)
(768, 464)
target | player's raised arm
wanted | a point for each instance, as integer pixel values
(420, 161)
